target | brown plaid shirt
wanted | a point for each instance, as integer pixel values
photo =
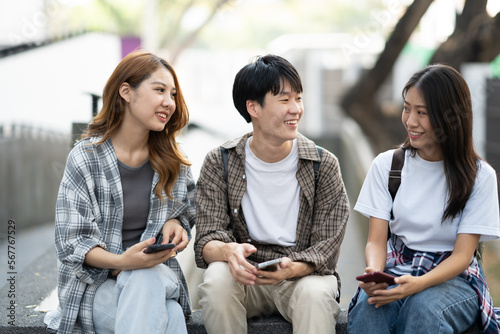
(322, 217)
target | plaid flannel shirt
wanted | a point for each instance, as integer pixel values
(89, 213)
(322, 216)
(423, 262)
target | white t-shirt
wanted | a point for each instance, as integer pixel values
(421, 201)
(271, 201)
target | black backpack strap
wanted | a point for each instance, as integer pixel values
(223, 152)
(398, 160)
(316, 167)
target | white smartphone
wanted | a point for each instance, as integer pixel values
(271, 265)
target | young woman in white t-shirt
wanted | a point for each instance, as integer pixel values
(447, 202)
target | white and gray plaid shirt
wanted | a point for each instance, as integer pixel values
(89, 213)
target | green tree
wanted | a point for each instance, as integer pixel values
(128, 19)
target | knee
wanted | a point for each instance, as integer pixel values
(218, 285)
(174, 309)
(154, 278)
(156, 272)
(316, 290)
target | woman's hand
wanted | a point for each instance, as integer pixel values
(135, 258)
(174, 232)
(371, 287)
(407, 286)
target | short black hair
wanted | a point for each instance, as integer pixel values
(264, 74)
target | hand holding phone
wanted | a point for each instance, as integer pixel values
(377, 277)
(158, 247)
(269, 265)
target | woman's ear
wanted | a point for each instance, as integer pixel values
(125, 91)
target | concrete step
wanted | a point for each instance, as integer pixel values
(263, 325)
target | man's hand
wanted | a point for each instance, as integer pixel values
(286, 269)
(243, 271)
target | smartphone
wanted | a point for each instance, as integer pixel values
(158, 247)
(377, 277)
(268, 265)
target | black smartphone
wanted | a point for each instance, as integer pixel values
(268, 265)
(158, 247)
(377, 277)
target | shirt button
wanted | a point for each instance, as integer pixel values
(244, 176)
(235, 210)
(249, 240)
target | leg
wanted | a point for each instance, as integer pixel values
(222, 301)
(176, 320)
(143, 301)
(450, 307)
(104, 308)
(309, 303)
(365, 318)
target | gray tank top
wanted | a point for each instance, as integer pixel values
(136, 185)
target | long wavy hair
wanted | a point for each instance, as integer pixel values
(449, 106)
(164, 154)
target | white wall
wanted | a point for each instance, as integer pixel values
(23, 21)
(48, 86)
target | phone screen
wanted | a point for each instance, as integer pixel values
(269, 265)
(158, 247)
(377, 277)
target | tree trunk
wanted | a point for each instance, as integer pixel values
(191, 37)
(359, 102)
(475, 38)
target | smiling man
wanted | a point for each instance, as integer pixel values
(266, 204)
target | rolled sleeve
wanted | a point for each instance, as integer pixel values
(76, 228)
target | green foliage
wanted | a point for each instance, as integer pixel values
(421, 54)
(253, 24)
(236, 24)
(495, 67)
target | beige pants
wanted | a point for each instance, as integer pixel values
(308, 303)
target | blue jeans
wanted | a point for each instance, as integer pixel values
(450, 307)
(139, 301)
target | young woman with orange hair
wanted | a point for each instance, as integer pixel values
(127, 185)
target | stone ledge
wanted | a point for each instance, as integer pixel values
(277, 324)
(263, 325)
(30, 287)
